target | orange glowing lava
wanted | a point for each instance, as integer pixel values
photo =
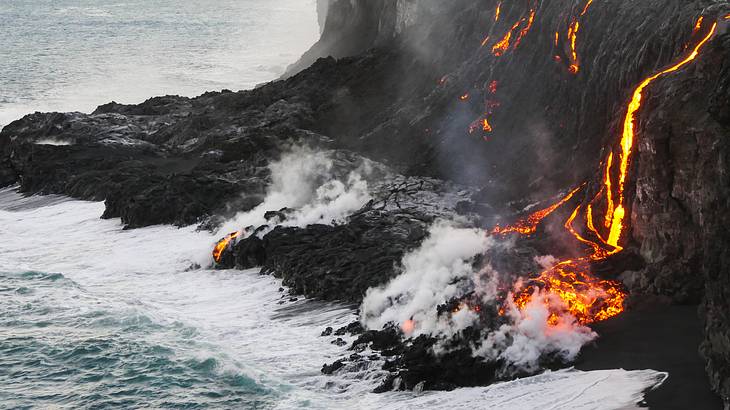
(698, 25)
(496, 12)
(629, 135)
(526, 29)
(223, 244)
(528, 226)
(518, 31)
(588, 298)
(464, 97)
(493, 86)
(573, 28)
(408, 326)
(481, 124)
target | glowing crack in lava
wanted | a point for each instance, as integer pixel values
(569, 286)
(573, 29)
(528, 226)
(518, 31)
(629, 135)
(223, 244)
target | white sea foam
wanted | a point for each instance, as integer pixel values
(235, 316)
(302, 181)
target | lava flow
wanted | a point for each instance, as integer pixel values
(629, 136)
(518, 31)
(528, 226)
(223, 244)
(573, 38)
(588, 298)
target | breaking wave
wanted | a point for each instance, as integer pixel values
(95, 315)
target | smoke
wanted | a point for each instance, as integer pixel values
(442, 270)
(304, 181)
(531, 335)
(432, 274)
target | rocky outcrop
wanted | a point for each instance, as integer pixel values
(342, 261)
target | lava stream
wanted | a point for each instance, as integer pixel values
(628, 137)
(570, 282)
(528, 226)
(223, 244)
(573, 29)
(518, 31)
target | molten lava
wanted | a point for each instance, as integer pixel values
(528, 226)
(496, 12)
(222, 245)
(493, 86)
(569, 286)
(629, 135)
(698, 25)
(573, 29)
(518, 31)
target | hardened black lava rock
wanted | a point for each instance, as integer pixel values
(336, 262)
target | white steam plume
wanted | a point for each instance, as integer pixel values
(528, 337)
(303, 181)
(439, 271)
(432, 275)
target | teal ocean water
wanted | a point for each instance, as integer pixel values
(93, 316)
(73, 55)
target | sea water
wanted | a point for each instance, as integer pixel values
(73, 55)
(95, 316)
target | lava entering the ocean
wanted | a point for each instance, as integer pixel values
(586, 297)
(223, 244)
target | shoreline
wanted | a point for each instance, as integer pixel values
(661, 337)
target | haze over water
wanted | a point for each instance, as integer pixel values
(73, 55)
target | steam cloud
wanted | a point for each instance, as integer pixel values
(441, 270)
(432, 274)
(303, 181)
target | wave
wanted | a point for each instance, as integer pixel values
(127, 322)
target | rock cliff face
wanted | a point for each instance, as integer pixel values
(410, 78)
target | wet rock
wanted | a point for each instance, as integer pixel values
(331, 368)
(339, 342)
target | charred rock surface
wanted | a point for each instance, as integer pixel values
(341, 261)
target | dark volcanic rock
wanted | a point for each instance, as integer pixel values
(336, 262)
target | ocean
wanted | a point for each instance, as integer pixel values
(95, 316)
(73, 55)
